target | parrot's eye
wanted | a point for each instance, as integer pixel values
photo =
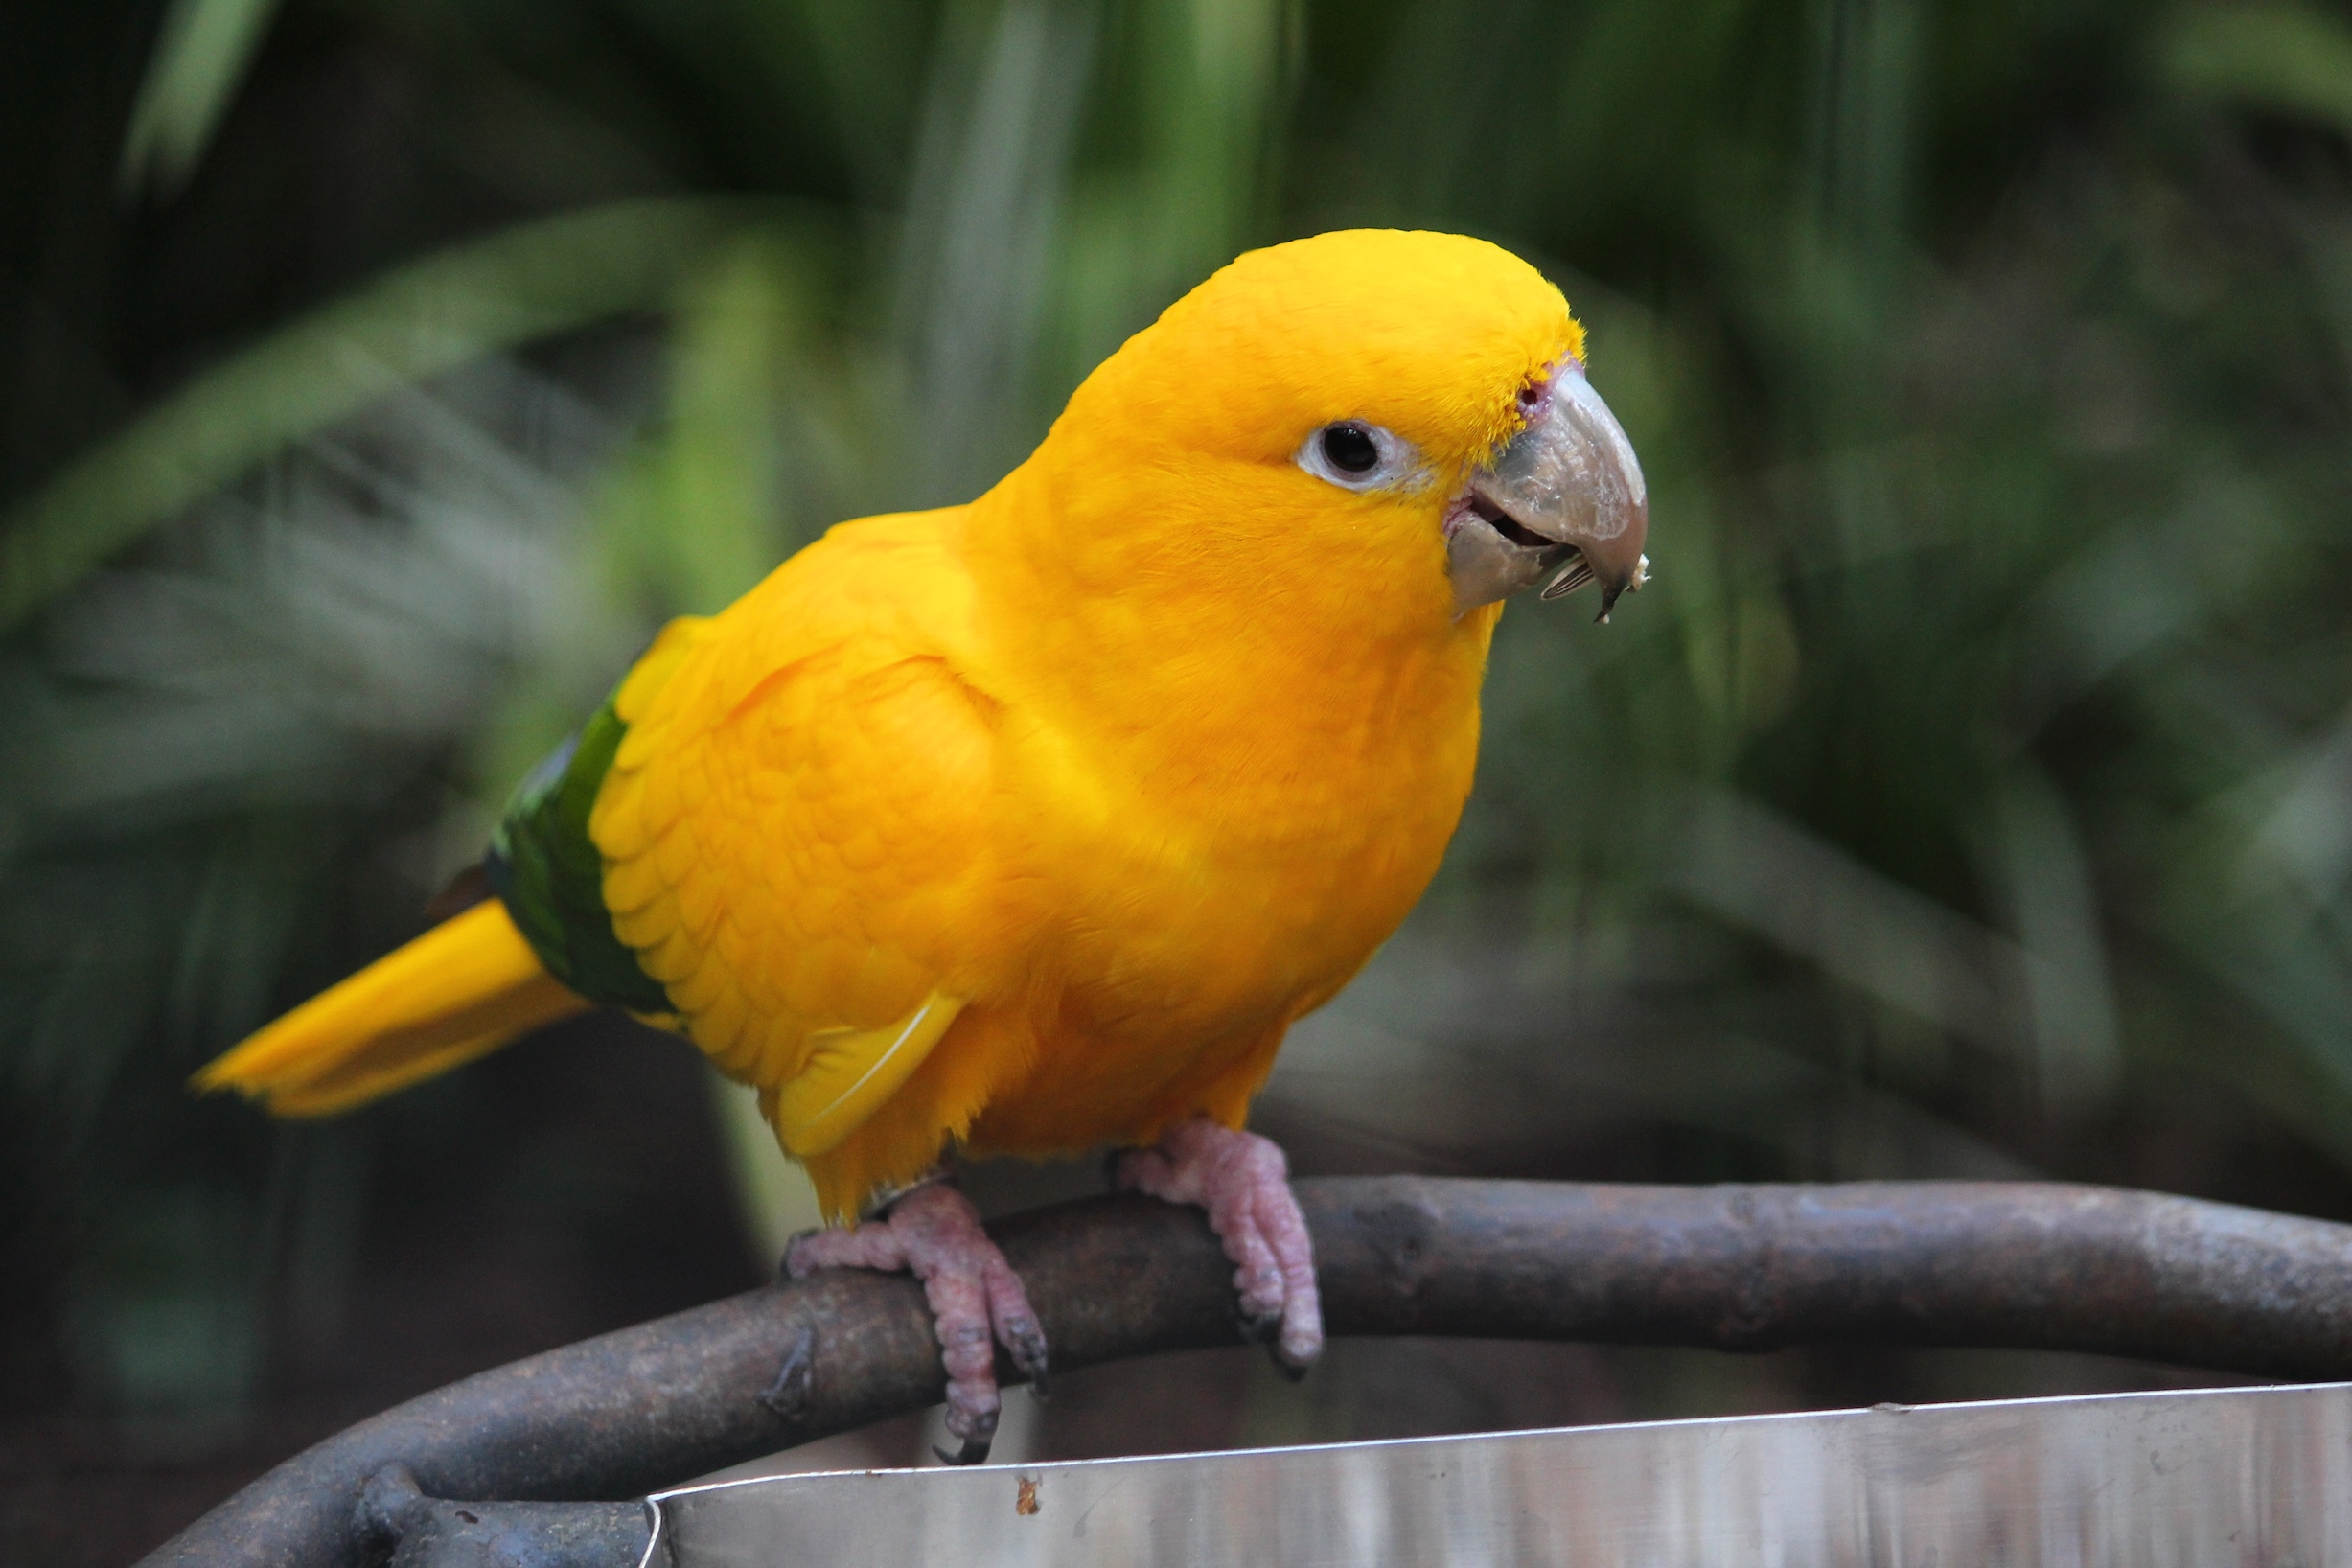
(1358, 457)
(1350, 449)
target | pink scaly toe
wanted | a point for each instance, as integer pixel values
(1244, 1183)
(977, 1301)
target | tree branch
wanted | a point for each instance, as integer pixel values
(1920, 1263)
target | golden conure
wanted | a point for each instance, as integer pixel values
(1031, 824)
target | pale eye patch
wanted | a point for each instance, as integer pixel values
(1356, 454)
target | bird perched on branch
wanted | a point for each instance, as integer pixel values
(1031, 824)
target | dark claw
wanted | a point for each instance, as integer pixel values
(974, 1451)
(1267, 1330)
(1026, 1342)
(784, 1264)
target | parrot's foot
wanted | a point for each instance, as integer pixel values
(977, 1301)
(1243, 1182)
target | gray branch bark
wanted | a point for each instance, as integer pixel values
(1741, 1268)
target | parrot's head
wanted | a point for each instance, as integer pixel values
(1402, 418)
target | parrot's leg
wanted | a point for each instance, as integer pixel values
(934, 1234)
(1244, 1183)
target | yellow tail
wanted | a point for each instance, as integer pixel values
(461, 990)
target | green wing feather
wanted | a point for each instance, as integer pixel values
(548, 871)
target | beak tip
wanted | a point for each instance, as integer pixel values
(1631, 582)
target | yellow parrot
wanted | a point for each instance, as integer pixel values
(1032, 824)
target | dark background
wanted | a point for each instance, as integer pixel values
(1969, 798)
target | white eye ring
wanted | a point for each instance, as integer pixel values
(1333, 454)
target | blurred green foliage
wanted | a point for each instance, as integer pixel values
(1972, 794)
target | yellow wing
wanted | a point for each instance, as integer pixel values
(796, 833)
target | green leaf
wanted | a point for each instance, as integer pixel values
(200, 59)
(2287, 58)
(417, 321)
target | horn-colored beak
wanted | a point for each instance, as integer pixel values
(1565, 497)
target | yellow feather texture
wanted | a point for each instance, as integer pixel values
(1095, 784)
(1033, 824)
(459, 991)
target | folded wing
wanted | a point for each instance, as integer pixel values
(796, 833)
